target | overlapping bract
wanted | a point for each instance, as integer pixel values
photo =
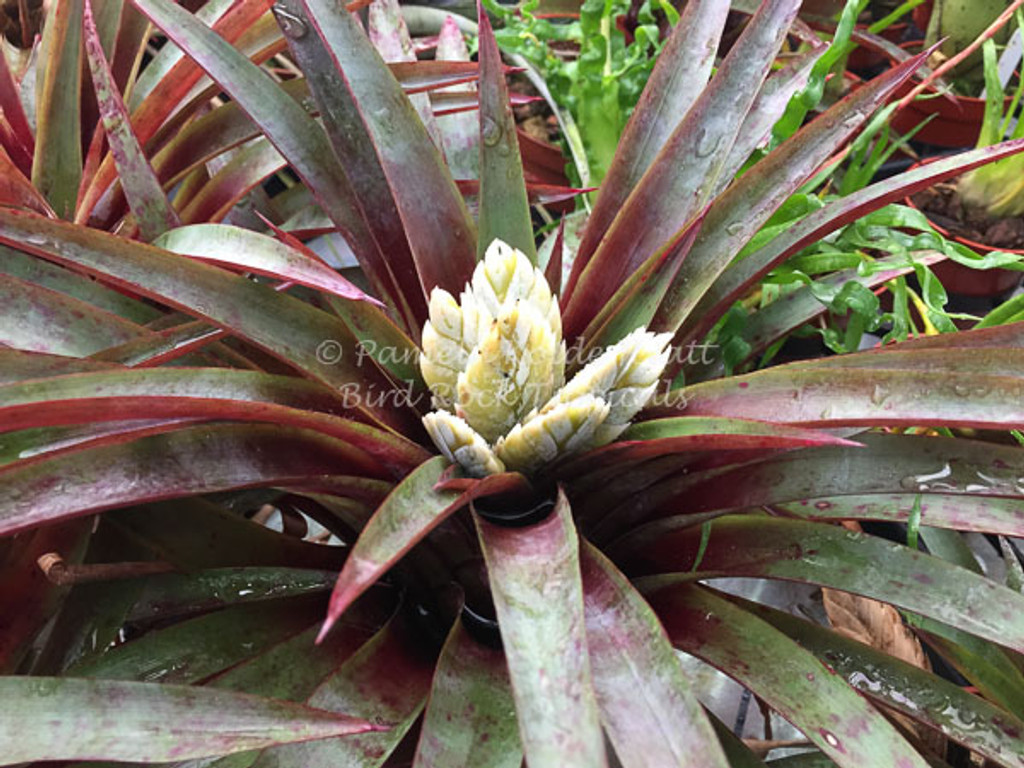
(498, 360)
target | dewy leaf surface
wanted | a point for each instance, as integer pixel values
(790, 679)
(535, 580)
(71, 719)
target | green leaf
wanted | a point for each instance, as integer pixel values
(963, 513)
(148, 202)
(294, 134)
(535, 581)
(965, 718)
(387, 150)
(686, 169)
(193, 460)
(413, 509)
(630, 653)
(196, 535)
(733, 283)
(470, 720)
(798, 550)
(504, 209)
(679, 76)
(962, 388)
(211, 393)
(387, 680)
(57, 164)
(48, 718)
(47, 275)
(283, 325)
(39, 319)
(787, 677)
(191, 651)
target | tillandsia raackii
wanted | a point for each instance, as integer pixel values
(156, 394)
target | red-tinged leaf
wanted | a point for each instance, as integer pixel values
(16, 190)
(413, 509)
(543, 163)
(534, 574)
(760, 192)
(233, 246)
(162, 347)
(441, 236)
(46, 275)
(196, 535)
(192, 650)
(504, 209)
(68, 719)
(193, 460)
(958, 715)
(792, 310)
(629, 653)
(13, 112)
(212, 393)
(33, 443)
(658, 437)
(788, 678)
(684, 172)
(634, 303)
(38, 319)
(768, 107)
(830, 556)
(166, 96)
(1010, 335)
(536, 194)
(20, 157)
(148, 202)
(553, 268)
(57, 163)
(680, 75)
(247, 169)
(29, 599)
(284, 326)
(379, 338)
(222, 129)
(961, 513)
(886, 464)
(991, 361)
(954, 391)
(170, 56)
(455, 102)
(294, 669)
(19, 365)
(385, 681)
(389, 35)
(733, 283)
(470, 718)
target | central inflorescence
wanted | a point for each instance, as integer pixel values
(495, 362)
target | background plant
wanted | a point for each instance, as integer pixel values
(201, 393)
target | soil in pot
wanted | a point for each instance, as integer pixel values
(942, 205)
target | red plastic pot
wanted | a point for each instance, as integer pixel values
(966, 281)
(955, 125)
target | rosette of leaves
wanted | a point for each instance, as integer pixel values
(156, 394)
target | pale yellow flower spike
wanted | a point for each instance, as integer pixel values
(498, 355)
(511, 372)
(461, 445)
(566, 429)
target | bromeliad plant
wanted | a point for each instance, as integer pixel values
(508, 599)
